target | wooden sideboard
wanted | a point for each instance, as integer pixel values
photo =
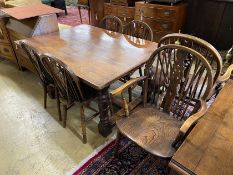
(208, 149)
(163, 19)
(97, 11)
(21, 29)
(208, 19)
(126, 14)
(24, 25)
(6, 50)
(124, 2)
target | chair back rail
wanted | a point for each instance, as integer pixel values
(34, 57)
(199, 45)
(66, 82)
(176, 88)
(112, 23)
(139, 29)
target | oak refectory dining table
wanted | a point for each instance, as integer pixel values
(98, 57)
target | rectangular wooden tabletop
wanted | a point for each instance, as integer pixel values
(96, 56)
(209, 147)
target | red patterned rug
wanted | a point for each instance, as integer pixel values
(131, 160)
(73, 19)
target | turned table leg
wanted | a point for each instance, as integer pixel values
(105, 125)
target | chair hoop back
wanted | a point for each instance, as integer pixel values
(199, 45)
(139, 29)
(176, 88)
(34, 57)
(112, 23)
(67, 84)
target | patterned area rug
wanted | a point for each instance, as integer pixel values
(73, 19)
(131, 160)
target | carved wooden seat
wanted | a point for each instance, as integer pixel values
(155, 134)
(112, 23)
(160, 126)
(70, 91)
(205, 49)
(46, 80)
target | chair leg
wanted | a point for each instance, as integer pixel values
(65, 115)
(117, 144)
(89, 15)
(58, 104)
(140, 71)
(83, 124)
(66, 11)
(80, 15)
(163, 164)
(130, 94)
(129, 89)
(45, 96)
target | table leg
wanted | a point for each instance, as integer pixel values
(105, 125)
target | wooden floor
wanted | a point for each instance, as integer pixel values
(31, 139)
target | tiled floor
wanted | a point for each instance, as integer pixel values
(31, 139)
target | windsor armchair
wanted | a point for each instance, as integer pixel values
(46, 80)
(70, 91)
(205, 49)
(160, 126)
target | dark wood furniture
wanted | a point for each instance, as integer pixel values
(212, 21)
(29, 28)
(112, 23)
(160, 125)
(163, 19)
(208, 148)
(2, 3)
(45, 78)
(97, 11)
(69, 91)
(29, 24)
(126, 14)
(85, 5)
(23, 22)
(6, 50)
(124, 2)
(96, 58)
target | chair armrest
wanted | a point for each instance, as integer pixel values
(187, 125)
(227, 75)
(121, 89)
(127, 85)
(194, 118)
